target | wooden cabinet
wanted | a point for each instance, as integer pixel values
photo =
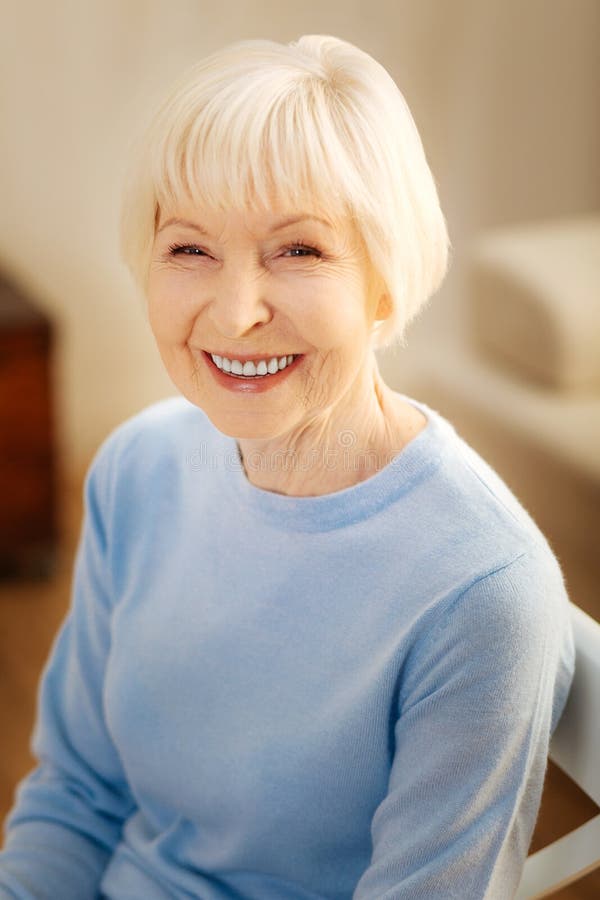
(28, 521)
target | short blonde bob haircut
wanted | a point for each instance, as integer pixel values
(315, 125)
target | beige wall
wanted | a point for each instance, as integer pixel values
(505, 93)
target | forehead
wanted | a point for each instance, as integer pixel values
(256, 220)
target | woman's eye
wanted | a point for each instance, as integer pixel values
(302, 250)
(186, 250)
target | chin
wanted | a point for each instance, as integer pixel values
(245, 426)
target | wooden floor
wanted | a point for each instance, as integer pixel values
(30, 612)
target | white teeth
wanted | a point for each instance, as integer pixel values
(250, 368)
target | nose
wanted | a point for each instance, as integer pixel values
(239, 303)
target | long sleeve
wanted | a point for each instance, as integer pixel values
(477, 707)
(69, 811)
(257, 695)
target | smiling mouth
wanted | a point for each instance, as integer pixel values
(250, 369)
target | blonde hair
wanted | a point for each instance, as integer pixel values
(316, 121)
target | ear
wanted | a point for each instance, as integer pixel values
(384, 307)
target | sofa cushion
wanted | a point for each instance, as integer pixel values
(533, 300)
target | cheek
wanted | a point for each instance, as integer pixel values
(330, 314)
(338, 333)
(330, 374)
(170, 314)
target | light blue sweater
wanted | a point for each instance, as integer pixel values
(278, 698)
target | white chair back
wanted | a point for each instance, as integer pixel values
(575, 747)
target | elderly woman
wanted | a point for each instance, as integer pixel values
(316, 648)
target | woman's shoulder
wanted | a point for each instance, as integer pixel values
(149, 446)
(466, 500)
(168, 416)
(166, 423)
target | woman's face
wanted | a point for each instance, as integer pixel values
(285, 302)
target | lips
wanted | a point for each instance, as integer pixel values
(262, 379)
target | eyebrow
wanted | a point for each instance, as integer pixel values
(278, 226)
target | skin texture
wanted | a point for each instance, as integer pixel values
(250, 284)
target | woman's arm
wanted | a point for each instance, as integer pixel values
(69, 811)
(479, 698)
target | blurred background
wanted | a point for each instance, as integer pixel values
(505, 94)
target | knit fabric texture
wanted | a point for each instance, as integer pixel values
(267, 697)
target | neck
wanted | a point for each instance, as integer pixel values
(336, 448)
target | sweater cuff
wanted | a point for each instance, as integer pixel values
(43, 860)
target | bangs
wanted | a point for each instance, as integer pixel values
(260, 146)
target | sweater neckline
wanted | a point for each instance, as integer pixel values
(348, 505)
